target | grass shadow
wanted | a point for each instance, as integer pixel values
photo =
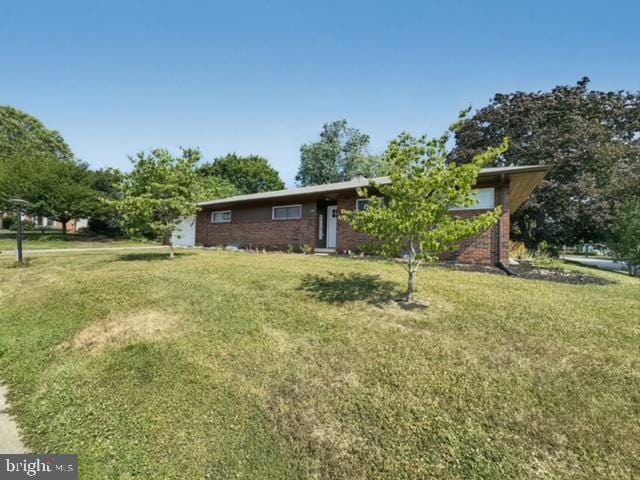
(146, 257)
(339, 288)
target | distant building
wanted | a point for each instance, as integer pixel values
(73, 225)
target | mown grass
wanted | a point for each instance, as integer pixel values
(231, 365)
(40, 241)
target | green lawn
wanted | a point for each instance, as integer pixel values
(220, 365)
(40, 241)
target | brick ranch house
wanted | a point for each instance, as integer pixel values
(310, 216)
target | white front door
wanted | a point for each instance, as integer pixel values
(332, 226)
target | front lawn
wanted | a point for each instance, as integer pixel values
(237, 365)
(40, 241)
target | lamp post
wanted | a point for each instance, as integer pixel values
(19, 203)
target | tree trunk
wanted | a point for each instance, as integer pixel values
(409, 296)
(64, 226)
(171, 252)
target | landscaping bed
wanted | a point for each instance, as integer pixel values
(530, 271)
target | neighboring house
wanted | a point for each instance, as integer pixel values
(310, 216)
(73, 225)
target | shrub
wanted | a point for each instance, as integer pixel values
(626, 234)
(110, 228)
(548, 249)
(8, 222)
(518, 250)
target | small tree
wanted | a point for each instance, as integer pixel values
(626, 233)
(161, 190)
(411, 216)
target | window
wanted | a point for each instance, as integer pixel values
(362, 204)
(485, 198)
(221, 217)
(287, 212)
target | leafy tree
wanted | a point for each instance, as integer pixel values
(250, 174)
(339, 155)
(411, 215)
(20, 131)
(35, 163)
(162, 189)
(626, 234)
(590, 138)
(57, 188)
(104, 218)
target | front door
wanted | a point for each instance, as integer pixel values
(332, 225)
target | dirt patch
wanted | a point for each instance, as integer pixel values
(530, 272)
(120, 330)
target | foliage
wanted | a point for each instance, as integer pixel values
(104, 218)
(339, 155)
(161, 190)
(518, 250)
(56, 188)
(37, 164)
(8, 221)
(626, 234)
(250, 174)
(592, 140)
(411, 216)
(257, 377)
(20, 131)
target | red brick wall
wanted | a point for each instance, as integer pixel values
(482, 249)
(253, 227)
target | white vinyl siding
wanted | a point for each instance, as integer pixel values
(221, 217)
(287, 212)
(485, 198)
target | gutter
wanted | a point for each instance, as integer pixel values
(500, 264)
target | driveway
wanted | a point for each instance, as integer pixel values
(598, 263)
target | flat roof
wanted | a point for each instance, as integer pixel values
(359, 182)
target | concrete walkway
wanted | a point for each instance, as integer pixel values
(28, 253)
(9, 436)
(609, 265)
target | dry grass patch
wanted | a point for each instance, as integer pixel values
(120, 330)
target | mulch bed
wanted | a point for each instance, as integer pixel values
(531, 272)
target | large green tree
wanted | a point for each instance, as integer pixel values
(20, 132)
(339, 155)
(56, 188)
(411, 215)
(162, 189)
(36, 164)
(250, 174)
(590, 138)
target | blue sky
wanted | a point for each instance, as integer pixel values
(116, 77)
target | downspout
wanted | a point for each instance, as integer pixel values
(500, 264)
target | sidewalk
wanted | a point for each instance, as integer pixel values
(28, 253)
(9, 437)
